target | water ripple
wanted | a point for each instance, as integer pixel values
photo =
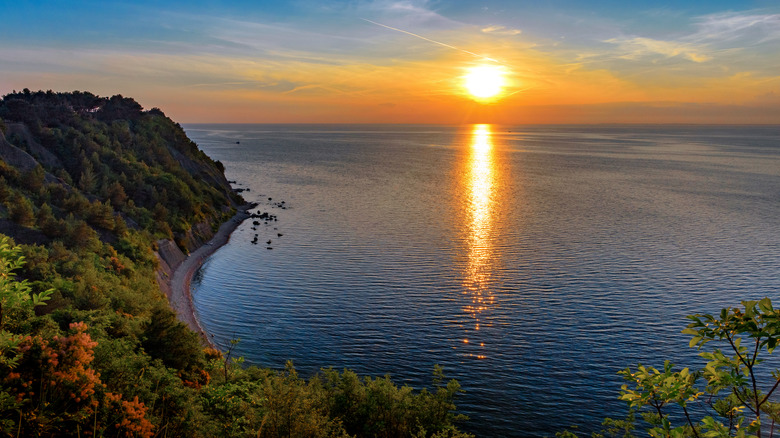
(533, 263)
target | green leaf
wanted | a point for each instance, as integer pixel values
(41, 298)
(771, 343)
(765, 305)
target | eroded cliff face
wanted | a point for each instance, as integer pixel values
(170, 255)
(15, 156)
(42, 155)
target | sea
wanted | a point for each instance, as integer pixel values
(531, 262)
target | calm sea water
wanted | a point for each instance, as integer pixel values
(532, 262)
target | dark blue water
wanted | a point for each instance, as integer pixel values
(532, 262)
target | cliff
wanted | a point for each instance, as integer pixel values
(111, 150)
(102, 177)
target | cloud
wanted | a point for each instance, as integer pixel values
(738, 27)
(411, 13)
(270, 40)
(636, 47)
(737, 40)
(501, 30)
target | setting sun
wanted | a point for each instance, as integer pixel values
(484, 81)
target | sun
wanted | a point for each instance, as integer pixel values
(484, 82)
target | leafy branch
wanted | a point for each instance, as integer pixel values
(732, 377)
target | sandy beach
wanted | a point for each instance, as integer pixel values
(180, 296)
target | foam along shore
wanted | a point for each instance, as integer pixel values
(176, 270)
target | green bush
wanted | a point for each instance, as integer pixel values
(729, 396)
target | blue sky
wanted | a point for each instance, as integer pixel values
(314, 61)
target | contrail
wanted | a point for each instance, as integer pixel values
(433, 41)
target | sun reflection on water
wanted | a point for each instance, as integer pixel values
(480, 182)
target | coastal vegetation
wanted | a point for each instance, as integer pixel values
(92, 187)
(730, 396)
(89, 189)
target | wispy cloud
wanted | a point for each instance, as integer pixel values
(419, 8)
(413, 14)
(638, 47)
(715, 35)
(248, 38)
(501, 30)
(738, 27)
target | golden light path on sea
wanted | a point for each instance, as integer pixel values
(481, 181)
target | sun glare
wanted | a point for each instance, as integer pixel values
(484, 81)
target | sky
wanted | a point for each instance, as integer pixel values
(406, 61)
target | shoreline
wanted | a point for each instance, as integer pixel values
(180, 297)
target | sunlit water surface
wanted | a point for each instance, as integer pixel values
(532, 262)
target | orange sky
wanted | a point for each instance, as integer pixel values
(405, 61)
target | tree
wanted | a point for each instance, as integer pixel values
(737, 389)
(174, 343)
(101, 215)
(87, 179)
(51, 226)
(81, 235)
(44, 216)
(12, 292)
(20, 210)
(34, 178)
(57, 391)
(116, 194)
